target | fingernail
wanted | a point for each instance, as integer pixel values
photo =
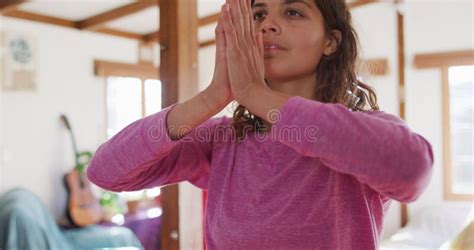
(227, 7)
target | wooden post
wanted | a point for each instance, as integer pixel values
(178, 73)
(401, 87)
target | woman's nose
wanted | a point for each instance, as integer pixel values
(270, 26)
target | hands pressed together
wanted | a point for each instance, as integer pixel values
(239, 66)
(239, 71)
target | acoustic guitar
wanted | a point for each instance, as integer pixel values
(83, 208)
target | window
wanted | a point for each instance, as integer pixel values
(458, 110)
(124, 103)
(130, 99)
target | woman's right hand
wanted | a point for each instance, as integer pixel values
(220, 84)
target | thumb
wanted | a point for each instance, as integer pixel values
(260, 43)
(261, 51)
(220, 39)
(220, 36)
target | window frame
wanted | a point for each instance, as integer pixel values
(448, 192)
(443, 61)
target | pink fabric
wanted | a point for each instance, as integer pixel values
(322, 179)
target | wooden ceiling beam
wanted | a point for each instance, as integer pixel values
(40, 18)
(360, 3)
(118, 33)
(67, 23)
(94, 23)
(444, 59)
(10, 5)
(143, 71)
(207, 43)
(99, 20)
(155, 36)
(208, 20)
(151, 37)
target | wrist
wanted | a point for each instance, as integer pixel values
(250, 93)
(261, 100)
(213, 98)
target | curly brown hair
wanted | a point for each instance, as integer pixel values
(336, 77)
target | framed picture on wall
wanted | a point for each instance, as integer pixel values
(19, 62)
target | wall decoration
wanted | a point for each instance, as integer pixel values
(19, 62)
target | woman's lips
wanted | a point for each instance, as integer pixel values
(271, 48)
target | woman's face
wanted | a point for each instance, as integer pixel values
(296, 28)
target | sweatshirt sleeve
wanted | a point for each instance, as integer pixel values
(375, 147)
(142, 155)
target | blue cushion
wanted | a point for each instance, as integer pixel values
(25, 223)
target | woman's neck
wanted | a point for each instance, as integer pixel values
(304, 87)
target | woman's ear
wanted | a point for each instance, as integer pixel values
(333, 43)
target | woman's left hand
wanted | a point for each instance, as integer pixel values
(244, 49)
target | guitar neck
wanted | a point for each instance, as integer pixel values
(76, 153)
(79, 166)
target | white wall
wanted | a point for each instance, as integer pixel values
(36, 147)
(430, 26)
(435, 26)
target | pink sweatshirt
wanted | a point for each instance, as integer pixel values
(322, 179)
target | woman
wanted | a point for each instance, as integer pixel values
(311, 169)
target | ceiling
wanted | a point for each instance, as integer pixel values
(131, 19)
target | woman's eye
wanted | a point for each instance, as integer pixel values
(258, 15)
(293, 13)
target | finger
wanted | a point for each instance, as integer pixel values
(244, 8)
(261, 50)
(257, 57)
(252, 23)
(250, 26)
(220, 39)
(250, 18)
(236, 17)
(251, 30)
(251, 43)
(229, 30)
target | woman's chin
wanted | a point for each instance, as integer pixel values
(271, 70)
(272, 74)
